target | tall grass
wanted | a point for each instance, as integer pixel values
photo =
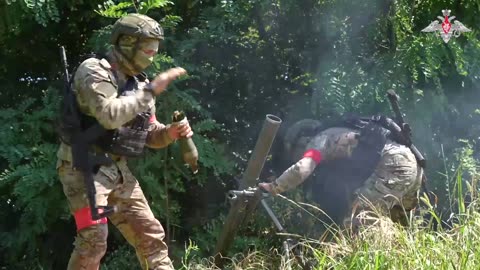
(382, 245)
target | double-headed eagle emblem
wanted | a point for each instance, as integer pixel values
(444, 27)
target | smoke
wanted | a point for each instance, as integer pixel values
(306, 59)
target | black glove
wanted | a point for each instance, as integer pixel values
(373, 136)
(367, 154)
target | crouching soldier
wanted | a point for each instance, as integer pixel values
(362, 168)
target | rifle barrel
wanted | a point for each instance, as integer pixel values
(66, 75)
(405, 132)
(393, 98)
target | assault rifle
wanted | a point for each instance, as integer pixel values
(80, 140)
(403, 132)
(405, 129)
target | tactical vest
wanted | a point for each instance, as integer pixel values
(128, 140)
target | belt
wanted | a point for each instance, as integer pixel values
(98, 151)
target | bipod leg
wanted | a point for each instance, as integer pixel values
(288, 244)
(278, 225)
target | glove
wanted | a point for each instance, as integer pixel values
(373, 136)
(269, 187)
(367, 154)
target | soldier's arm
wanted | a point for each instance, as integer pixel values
(158, 136)
(324, 147)
(296, 174)
(98, 93)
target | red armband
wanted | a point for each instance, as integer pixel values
(313, 154)
(152, 119)
(83, 218)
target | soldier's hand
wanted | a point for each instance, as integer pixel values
(162, 80)
(374, 136)
(180, 131)
(268, 187)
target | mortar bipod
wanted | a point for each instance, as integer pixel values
(289, 245)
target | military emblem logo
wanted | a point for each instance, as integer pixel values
(444, 27)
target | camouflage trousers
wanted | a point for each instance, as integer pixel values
(115, 185)
(392, 189)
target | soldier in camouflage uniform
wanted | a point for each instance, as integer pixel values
(393, 185)
(97, 84)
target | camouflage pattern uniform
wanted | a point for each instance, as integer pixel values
(394, 184)
(96, 84)
(395, 181)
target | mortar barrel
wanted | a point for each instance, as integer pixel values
(261, 150)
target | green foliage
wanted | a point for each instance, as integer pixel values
(189, 250)
(145, 6)
(382, 245)
(26, 73)
(245, 59)
(117, 10)
(30, 190)
(121, 258)
(112, 10)
(43, 11)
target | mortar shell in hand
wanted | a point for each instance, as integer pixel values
(187, 146)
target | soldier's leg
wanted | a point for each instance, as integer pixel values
(138, 225)
(392, 188)
(91, 240)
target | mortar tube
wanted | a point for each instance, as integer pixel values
(261, 150)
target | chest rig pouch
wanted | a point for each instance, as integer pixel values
(130, 139)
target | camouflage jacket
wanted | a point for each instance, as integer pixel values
(96, 86)
(332, 143)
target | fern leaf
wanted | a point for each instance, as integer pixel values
(111, 10)
(145, 6)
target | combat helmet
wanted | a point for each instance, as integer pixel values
(128, 33)
(298, 135)
(136, 25)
